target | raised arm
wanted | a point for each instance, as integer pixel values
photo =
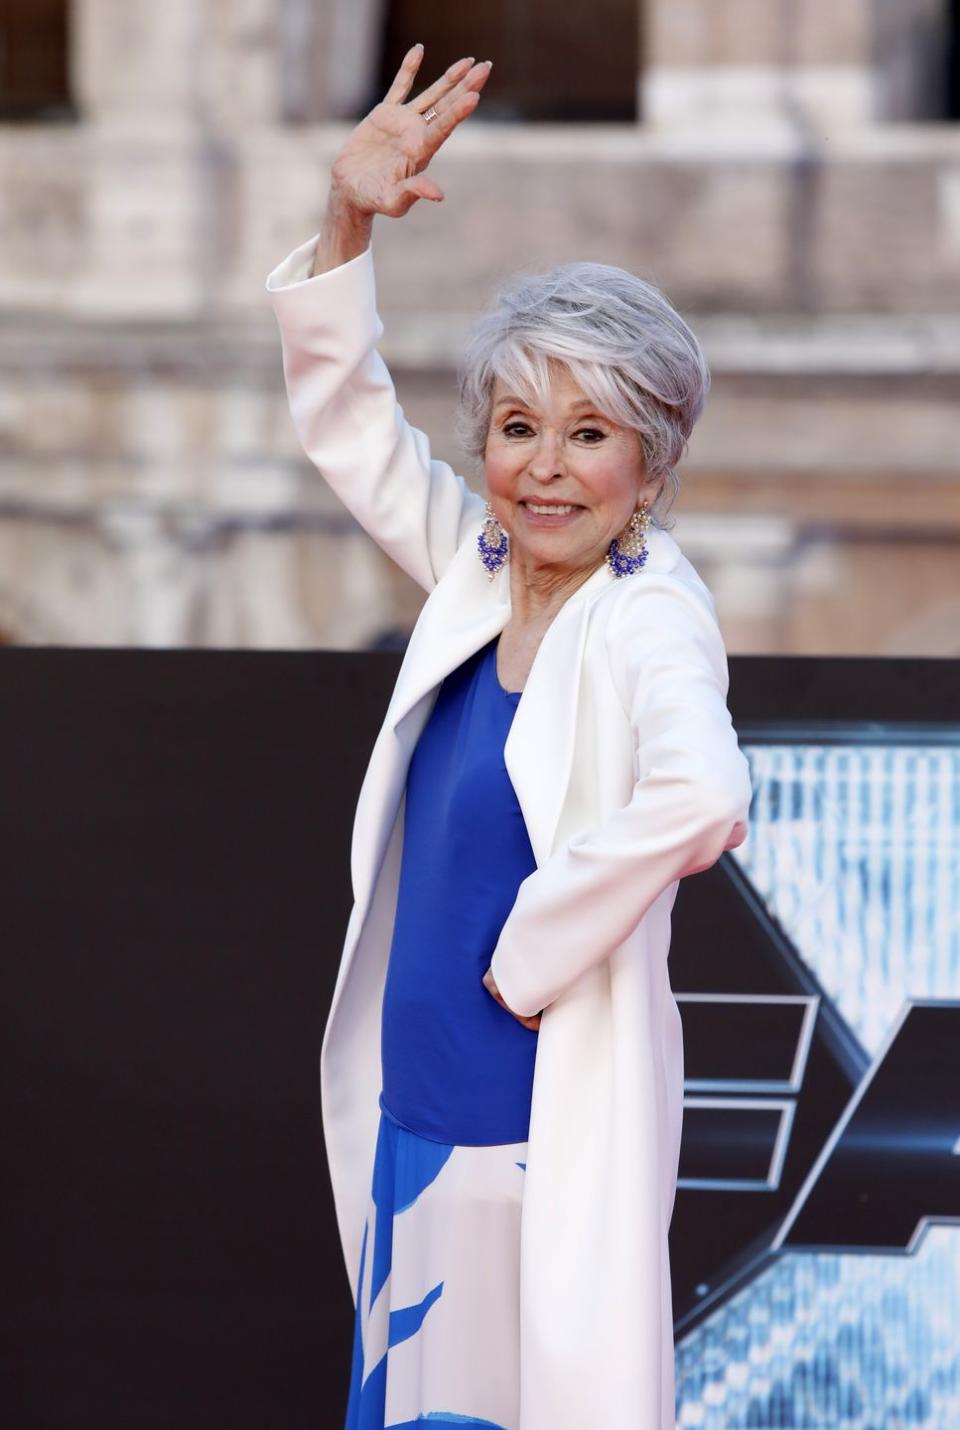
(689, 804)
(341, 396)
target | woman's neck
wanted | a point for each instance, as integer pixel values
(537, 593)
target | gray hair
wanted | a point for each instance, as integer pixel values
(623, 342)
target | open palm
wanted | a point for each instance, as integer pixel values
(380, 168)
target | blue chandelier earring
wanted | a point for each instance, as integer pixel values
(628, 552)
(493, 544)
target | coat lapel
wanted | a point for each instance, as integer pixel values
(463, 612)
(539, 748)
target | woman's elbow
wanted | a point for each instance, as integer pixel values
(726, 797)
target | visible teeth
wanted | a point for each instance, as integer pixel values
(553, 509)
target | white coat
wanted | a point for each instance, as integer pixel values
(628, 772)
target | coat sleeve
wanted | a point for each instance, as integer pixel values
(348, 420)
(690, 800)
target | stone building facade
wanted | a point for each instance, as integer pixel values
(791, 178)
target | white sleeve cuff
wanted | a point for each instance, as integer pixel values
(295, 268)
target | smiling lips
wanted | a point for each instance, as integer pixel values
(550, 509)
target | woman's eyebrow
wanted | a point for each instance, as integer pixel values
(585, 405)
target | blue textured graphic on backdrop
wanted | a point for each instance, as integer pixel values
(854, 859)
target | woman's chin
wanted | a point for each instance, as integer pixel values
(556, 555)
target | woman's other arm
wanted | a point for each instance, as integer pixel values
(341, 396)
(690, 801)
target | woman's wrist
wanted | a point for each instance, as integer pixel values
(345, 234)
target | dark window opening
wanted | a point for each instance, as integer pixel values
(552, 63)
(34, 70)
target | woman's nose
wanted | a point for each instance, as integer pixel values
(547, 461)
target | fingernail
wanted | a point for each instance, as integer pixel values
(489, 64)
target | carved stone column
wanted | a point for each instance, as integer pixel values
(134, 61)
(329, 56)
(823, 62)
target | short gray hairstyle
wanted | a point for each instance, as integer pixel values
(623, 342)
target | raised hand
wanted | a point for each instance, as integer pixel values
(380, 168)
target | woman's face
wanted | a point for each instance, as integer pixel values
(562, 479)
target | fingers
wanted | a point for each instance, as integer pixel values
(421, 186)
(443, 85)
(453, 112)
(471, 82)
(406, 74)
(460, 102)
(532, 1022)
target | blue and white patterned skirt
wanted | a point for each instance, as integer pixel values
(437, 1326)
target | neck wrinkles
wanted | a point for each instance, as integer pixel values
(537, 593)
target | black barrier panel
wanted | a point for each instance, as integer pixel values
(174, 831)
(892, 1164)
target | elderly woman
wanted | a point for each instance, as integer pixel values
(556, 756)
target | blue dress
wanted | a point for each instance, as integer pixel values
(436, 1334)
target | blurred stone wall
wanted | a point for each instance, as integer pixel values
(785, 183)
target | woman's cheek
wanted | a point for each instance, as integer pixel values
(499, 471)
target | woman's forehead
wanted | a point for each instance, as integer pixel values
(562, 386)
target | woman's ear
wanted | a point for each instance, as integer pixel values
(653, 493)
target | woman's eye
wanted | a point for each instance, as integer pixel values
(593, 435)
